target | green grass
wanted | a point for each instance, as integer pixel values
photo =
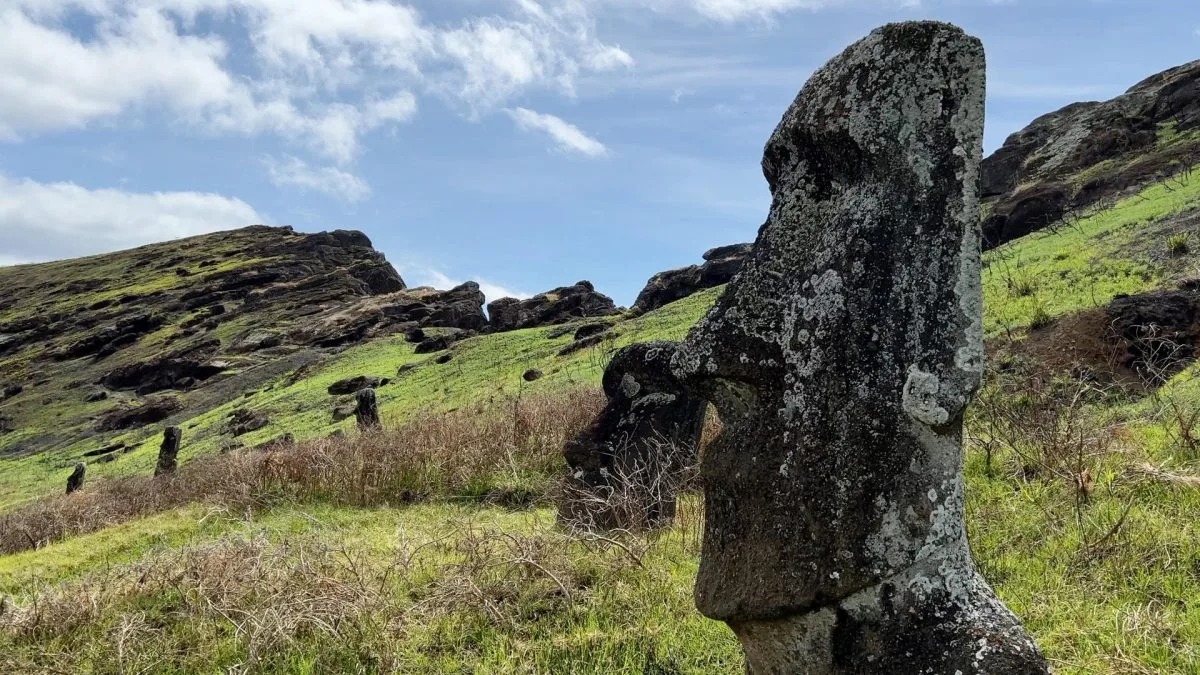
(1083, 265)
(1110, 585)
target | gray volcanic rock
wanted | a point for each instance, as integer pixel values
(1073, 157)
(625, 469)
(841, 360)
(552, 307)
(720, 265)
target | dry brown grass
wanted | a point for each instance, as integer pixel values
(509, 454)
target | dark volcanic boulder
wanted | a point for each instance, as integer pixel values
(148, 378)
(151, 411)
(12, 390)
(244, 421)
(553, 307)
(720, 265)
(1071, 158)
(1160, 331)
(841, 360)
(625, 469)
(352, 385)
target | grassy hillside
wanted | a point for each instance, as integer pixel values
(1082, 494)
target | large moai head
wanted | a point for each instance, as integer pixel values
(843, 355)
(624, 470)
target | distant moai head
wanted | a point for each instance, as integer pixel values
(168, 452)
(367, 409)
(76, 479)
(624, 470)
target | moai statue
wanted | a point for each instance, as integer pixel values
(75, 480)
(840, 361)
(367, 410)
(625, 469)
(168, 452)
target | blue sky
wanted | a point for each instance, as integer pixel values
(526, 144)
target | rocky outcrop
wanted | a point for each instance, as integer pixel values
(244, 421)
(553, 307)
(149, 412)
(352, 385)
(1072, 158)
(841, 360)
(625, 469)
(720, 265)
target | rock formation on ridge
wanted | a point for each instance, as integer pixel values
(720, 264)
(552, 307)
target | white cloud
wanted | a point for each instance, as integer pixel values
(424, 276)
(565, 135)
(7, 260)
(295, 172)
(314, 71)
(45, 221)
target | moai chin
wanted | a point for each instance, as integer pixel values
(841, 360)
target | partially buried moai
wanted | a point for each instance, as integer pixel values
(841, 361)
(625, 469)
(168, 452)
(77, 477)
(366, 410)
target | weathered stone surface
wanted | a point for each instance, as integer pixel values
(168, 452)
(625, 469)
(841, 359)
(720, 265)
(154, 376)
(553, 307)
(367, 410)
(77, 477)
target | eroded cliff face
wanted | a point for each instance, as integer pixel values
(163, 332)
(1086, 152)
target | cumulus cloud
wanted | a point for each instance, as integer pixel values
(315, 68)
(295, 172)
(45, 221)
(566, 136)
